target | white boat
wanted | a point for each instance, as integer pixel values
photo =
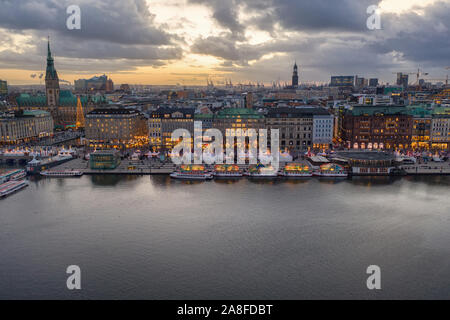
(227, 171)
(18, 176)
(259, 171)
(13, 175)
(296, 170)
(11, 187)
(192, 172)
(191, 176)
(62, 174)
(331, 170)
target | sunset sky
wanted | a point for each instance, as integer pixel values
(188, 41)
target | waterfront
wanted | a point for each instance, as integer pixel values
(155, 238)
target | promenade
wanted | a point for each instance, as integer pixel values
(155, 167)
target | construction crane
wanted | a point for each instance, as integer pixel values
(418, 74)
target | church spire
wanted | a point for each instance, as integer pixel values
(295, 76)
(49, 53)
(51, 71)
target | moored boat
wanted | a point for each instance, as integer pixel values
(62, 173)
(12, 175)
(35, 166)
(331, 170)
(11, 187)
(296, 170)
(192, 172)
(261, 171)
(227, 171)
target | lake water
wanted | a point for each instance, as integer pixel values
(155, 238)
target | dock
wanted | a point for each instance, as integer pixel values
(429, 168)
(129, 167)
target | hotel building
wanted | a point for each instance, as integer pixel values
(23, 126)
(117, 128)
(296, 127)
(440, 132)
(164, 121)
(387, 127)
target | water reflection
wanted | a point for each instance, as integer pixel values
(112, 180)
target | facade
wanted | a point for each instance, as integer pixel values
(323, 131)
(117, 128)
(22, 126)
(440, 132)
(3, 88)
(104, 160)
(296, 126)
(238, 118)
(164, 121)
(421, 135)
(378, 128)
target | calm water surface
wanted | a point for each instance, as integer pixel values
(153, 238)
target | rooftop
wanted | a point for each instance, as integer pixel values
(239, 113)
(108, 111)
(291, 112)
(365, 155)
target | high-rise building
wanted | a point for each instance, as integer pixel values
(402, 79)
(360, 82)
(342, 81)
(51, 84)
(249, 100)
(373, 82)
(94, 84)
(3, 88)
(295, 76)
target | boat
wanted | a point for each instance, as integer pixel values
(35, 166)
(296, 170)
(331, 170)
(11, 187)
(227, 171)
(13, 175)
(261, 171)
(62, 173)
(21, 174)
(192, 172)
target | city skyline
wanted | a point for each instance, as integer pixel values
(187, 42)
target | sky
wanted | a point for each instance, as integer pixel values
(186, 42)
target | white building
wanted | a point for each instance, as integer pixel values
(323, 130)
(23, 126)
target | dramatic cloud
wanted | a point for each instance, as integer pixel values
(256, 40)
